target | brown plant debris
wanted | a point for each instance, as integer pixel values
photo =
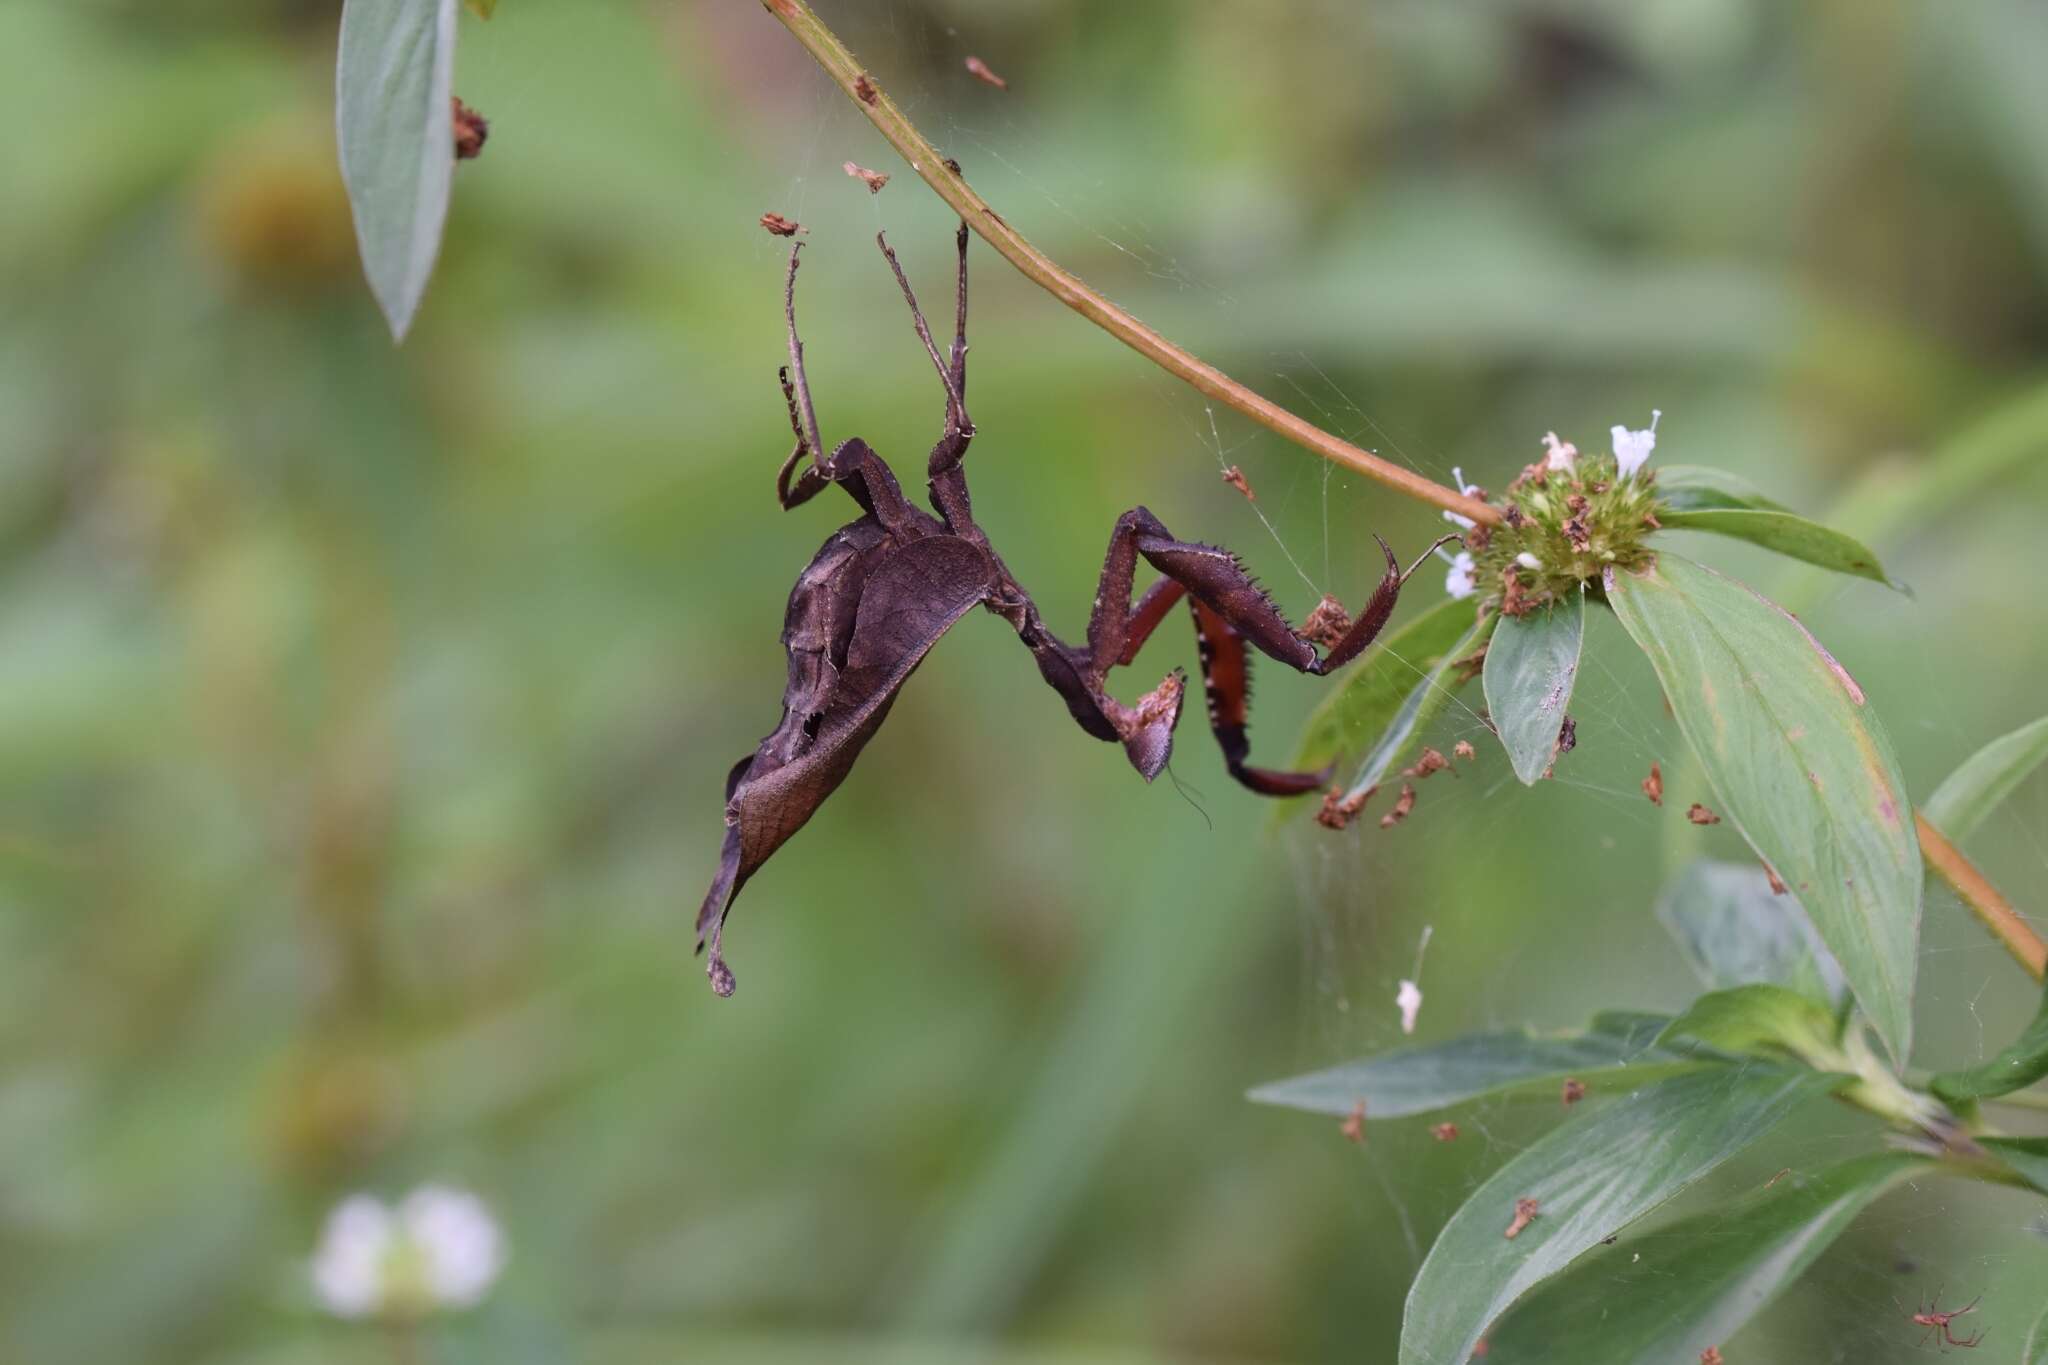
(1398, 812)
(864, 89)
(1515, 600)
(1525, 1214)
(1353, 1126)
(1327, 623)
(780, 226)
(1567, 736)
(978, 69)
(1236, 479)
(1463, 749)
(1700, 815)
(1471, 665)
(1574, 1091)
(1776, 1178)
(1653, 785)
(1430, 762)
(1778, 887)
(1445, 1132)
(472, 130)
(1711, 1356)
(874, 180)
(1339, 810)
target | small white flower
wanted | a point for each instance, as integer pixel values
(1469, 490)
(439, 1249)
(1528, 561)
(1458, 582)
(1632, 448)
(1409, 1001)
(1563, 454)
(348, 1269)
(458, 1241)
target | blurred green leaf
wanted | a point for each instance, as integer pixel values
(1366, 696)
(1589, 1178)
(393, 82)
(1425, 700)
(1417, 1080)
(1530, 668)
(1667, 1297)
(1753, 1019)
(2035, 1352)
(1696, 498)
(2018, 1065)
(2027, 1156)
(1736, 931)
(1970, 793)
(1798, 763)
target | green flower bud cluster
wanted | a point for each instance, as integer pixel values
(1564, 527)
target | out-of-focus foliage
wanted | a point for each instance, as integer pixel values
(363, 712)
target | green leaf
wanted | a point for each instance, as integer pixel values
(1790, 535)
(1425, 700)
(1668, 1296)
(1759, 1019)
(393, 83)
(1368, 695)
(2027, 1156)
(1590, 1178)
(1530, 668)
(1695, 498)
(1737, 932)
(1986, 778)
(2017, 1066)
(2035, 1352)
(1797, 763)
(1697, 488)
(1615, 1049)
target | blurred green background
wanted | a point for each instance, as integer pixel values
(364, 711)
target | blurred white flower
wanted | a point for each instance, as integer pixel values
(1458, 582)
(1469, 490)
(1563, 454)
(1528, 561)
(1409, 1001)
(348, 1268)
(440, 1248)
(1632, 448)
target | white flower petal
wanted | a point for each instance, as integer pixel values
(1632, 448)
(1409, 1001)
(1528, 561)
(458, 1241)
(348, 1266)
(1459, 582)
(1563, 454)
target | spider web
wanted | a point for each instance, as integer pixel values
(1566, 927)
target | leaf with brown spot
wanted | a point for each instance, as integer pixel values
(1767, 710)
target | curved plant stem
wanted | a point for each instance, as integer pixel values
(1985, 901)
(932, 166)
(944, 177)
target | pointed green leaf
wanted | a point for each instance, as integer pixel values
(2028, 1157)
(1986, 778)
(2017, 1066)
(1798, 764)
(393, 85)
(1698, 488)
(1366, 696)
(1590, 1178)
(1427, 696)
(1790, 535)
(1530, 668)
(1758, 1019)
(1695, 498)
(1737, 932)
(1617, 1051)
(1668, 1296)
